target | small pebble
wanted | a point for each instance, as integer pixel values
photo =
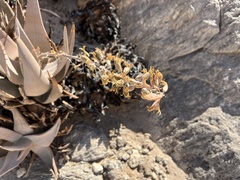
(145, 151)
(124, 156)
(21, 172)
(121, 142)
(158, 159)
(133, 162)
(113, 145)
(97, 168)
(164, 163)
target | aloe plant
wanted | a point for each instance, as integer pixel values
(30, 63)
(23, 140)
(31, 69)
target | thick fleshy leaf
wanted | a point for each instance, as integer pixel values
(20, 14)
(6, 9)
(9, 45)
(60, 67)
(3, 153)
(72, 39)
(46, 138)
(45, 153)
(20, 123)
(20, 145)
(2, 71)
(12, 160)
(65, 40)
(11, 68)
(54, 93)
(21, 33)
(57, 68)
(36, 82)
(9, 90)
(34, 27)
(9, 135)
(61, 74)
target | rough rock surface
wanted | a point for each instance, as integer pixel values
(84, 142)
(206, 146)
(199, 125)
(130, 155)
(169, 29)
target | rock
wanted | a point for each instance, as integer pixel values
(208, 147)
(88, 143)
(164, 30)
(121, 142)
(75, 171)
(124, 156)
(133, 162)
(128, 161)
(97, 168)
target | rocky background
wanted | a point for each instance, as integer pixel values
(195, 44)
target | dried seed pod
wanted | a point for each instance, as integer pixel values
(97, 20)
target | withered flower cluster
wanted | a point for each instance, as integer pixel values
(98, 21)
(114, 73)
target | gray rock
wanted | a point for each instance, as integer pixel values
(76, 171)
(164, 30)
(88, 143)
(208, 146)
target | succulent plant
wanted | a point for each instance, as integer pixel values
(19, 142)
(30, 64)
(31, 70)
